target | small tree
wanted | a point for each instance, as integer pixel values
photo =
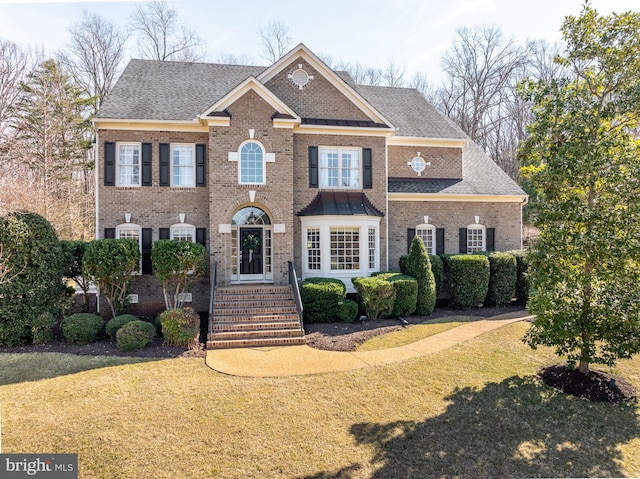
(110, 264)
(73, 252)
(419, 266)
(177, 264)
(584, 160)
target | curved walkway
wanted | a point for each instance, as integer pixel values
(303, 360)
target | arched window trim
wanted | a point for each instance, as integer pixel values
(264, 163)
(185, 226)
(427, 227)
(473, 244)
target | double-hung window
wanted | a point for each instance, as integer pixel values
(133, 232)
(427, 234)
(128, 164)
(340, 167)
(183, 232)
(183, 170)
(476, 238)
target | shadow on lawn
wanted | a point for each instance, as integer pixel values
(515, 428)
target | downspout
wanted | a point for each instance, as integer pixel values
(97, 193)
(522, 204)
(386, 199)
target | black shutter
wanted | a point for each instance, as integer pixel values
(109, 163)
(463, 241)
(313, 167)
(411, 232)
(165, 233)
(164, 164)
(109, 233)
(367, 168)
(146, 164)
(491, 239)
(201, 236)
(439, 240)
(201, 179)
(147, 244)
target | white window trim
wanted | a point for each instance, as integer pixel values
(264, 163)
(324, 224)
(193, 166)
(477, 226)
(431, 228)
(184, 226)
(339, 186)
(125, 143)
(132, 226)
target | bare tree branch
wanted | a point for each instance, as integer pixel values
(275, 41)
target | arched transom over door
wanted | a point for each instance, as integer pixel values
(251, 246)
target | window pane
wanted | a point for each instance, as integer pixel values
(251, 164)
(313, 249)
(183, 234)
(372, 248)
(128, 165)
(329, 168)
(340, 167)
(183, 167)
(345, 248)
(427, 237)
(475, 240)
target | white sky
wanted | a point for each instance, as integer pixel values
(414, 33)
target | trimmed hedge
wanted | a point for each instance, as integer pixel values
(502, 278)
(347, 310)
(135, 335)
(113, 325)
(377, 296)
(419, 267)
(406, 292)
(522, 281)
(467, 278)
(180, 327)
(437, 268)
(82, 328)
(321, 298)
(42, 329)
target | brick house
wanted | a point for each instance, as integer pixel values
(295, 160)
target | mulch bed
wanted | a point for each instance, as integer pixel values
(594, 386)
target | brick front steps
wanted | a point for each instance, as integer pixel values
(254, 316)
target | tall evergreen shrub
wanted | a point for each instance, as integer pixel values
(418, 266)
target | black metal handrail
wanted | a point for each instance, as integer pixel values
(214, 268)
(293, 281)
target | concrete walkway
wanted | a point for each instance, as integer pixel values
(303, 360)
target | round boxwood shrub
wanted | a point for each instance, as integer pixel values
(502, 278)
(406, 292)
(135, 335)
(32, 253)
(42, 329)
(113, 325)
(468, 280)
(347, 310)
(82, 328)
(320, 298)
(180, 327)
(377, 296)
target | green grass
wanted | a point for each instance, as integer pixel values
(414, 333)
(474, 410)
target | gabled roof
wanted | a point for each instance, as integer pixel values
(480, 176)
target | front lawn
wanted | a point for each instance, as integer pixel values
(475, 410)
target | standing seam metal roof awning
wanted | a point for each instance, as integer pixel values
(340, 203)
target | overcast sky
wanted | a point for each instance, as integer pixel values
(414, 33)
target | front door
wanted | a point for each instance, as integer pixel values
(252, 247)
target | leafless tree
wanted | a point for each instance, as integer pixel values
(95, 55)
(393, 74)
(14, 66)
(161, 37)
(229, 59)
(275, 41)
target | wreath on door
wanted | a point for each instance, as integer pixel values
(251, 242)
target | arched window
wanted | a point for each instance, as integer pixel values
(252, 161)
(476, 238)
(131, 231)
(250, 215)
(427, 233)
